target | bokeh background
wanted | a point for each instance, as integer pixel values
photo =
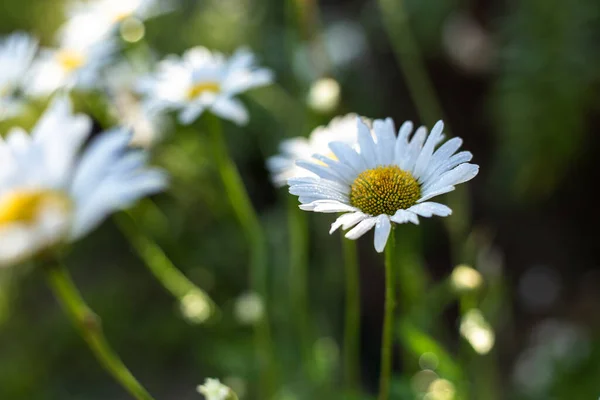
(517, 80)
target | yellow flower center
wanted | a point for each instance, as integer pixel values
(70, 59)
(384, 190)
(26, 206)
(203, 87)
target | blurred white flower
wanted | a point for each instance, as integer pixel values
(249, 308)
(203, 80)
(84, 48)
(324, 95)
(213, 389)
(51, 193)
(283, 166)
(389, 180)
(465, 278)
(16, 55)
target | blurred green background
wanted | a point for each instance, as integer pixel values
(518, 81)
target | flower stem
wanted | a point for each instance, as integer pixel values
(162, 267)
(298, 235)
(352, 318)
(246, 215)
(89, 326)
(388, 320)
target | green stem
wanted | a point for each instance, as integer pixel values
(298, 235)
(410, 59)
(89, 326)
(352, 319)
(163, 268)
(388, 320)
(246, 215)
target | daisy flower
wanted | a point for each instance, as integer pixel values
(283, 166)
(84, 49)
(16, 54)
(213, 389)
(52, 192)
(204, 80)
(389, 181)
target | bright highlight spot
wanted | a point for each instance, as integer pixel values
(477, 331)
(324, 95)
(465, 278)
(132, 30)
(440, 389)
(249, 308)
(428, 361)
(195, 307)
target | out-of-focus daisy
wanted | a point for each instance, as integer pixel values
(16, 54)
(390, 179)
(203, 80)
(51, 192)
(283, 166)
(84, 49)
(213, 389)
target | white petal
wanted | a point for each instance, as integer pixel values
(435, 137)
(191, 112)
(427, 209)
(432, 193)
(347, 221)
(386, 138)
(321, 170)
(404, 216)
(333, 207)
(347, 155)
(382, 232)
(413, 150)
(361, 228)
(231, 109)
(341, 169)
(460, 174)
(402, 141)
(366, 144)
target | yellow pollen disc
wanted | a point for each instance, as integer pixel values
(70, 60)
(203, 87)
(384, 190)
(26, 206)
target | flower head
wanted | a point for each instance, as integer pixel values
(204, 80)
(387, 180)
(213, 389)
(84, 48)
(52, 192)
(115, 11)
(283, 166)
(16, 55)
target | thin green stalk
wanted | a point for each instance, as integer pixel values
(298, 237)
(388, 320)
(351, 355)
(164, 270)
(246, 215)
(89, 326)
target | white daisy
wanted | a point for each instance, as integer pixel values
(204, 80)
(388, 181)
(51, 192)
(16, 54)
(213, 389)
(283, 166)
(76, 63)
